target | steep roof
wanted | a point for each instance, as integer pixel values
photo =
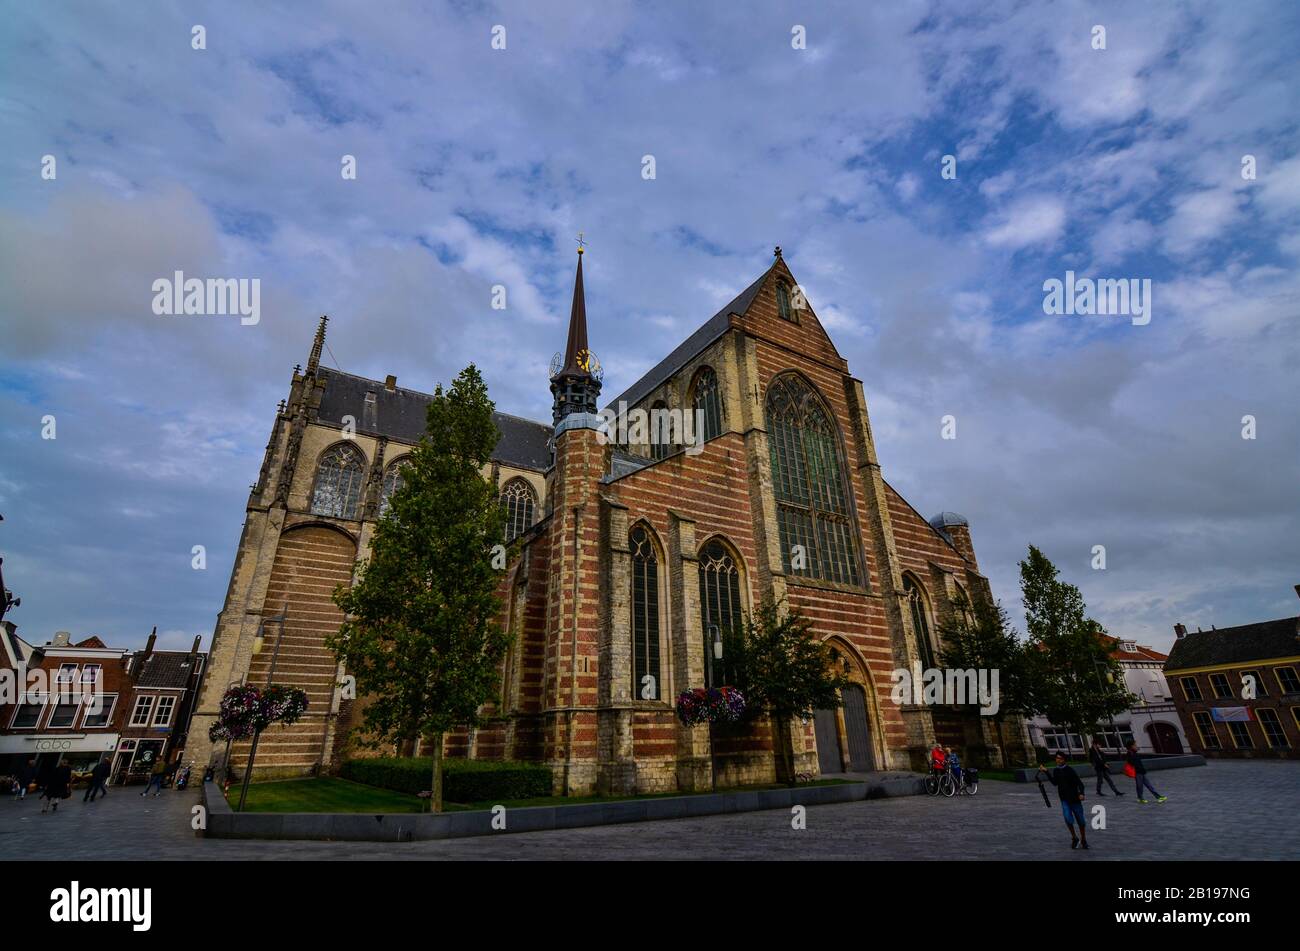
(691, 347)
(1248, 643)
(166, 669)
(1140, 652)
(399, 413)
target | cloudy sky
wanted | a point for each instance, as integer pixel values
(478, 166)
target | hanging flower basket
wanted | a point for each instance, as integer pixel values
(246, 710)
(711, 705)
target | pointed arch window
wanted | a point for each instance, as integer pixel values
(706, 399)
(811, 485)
(519, 502)
(720, 606)
(920, 609)
(340, 475)
(661, 434)
(783, 301)
(645, 616)
(392, 482)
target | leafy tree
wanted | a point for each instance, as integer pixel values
(421, 635)
(784, 671)
(984, 639)
(1072, 676)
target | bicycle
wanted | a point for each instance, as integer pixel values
(967, 784)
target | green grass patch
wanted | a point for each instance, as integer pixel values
(323, 794)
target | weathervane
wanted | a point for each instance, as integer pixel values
(581, 243)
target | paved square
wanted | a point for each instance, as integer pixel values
(1225, 810)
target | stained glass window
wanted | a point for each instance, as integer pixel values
(340, 475)
(519, 502)
(720, 606)
(707, 399)
(645, 615)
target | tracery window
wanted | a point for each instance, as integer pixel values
(920, 620)
(519, 502)
(645, 615)
(392, 482)
(706, 398)
(811, 486)
(720, 606)
(340, 475)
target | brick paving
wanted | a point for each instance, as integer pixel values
(1225, 810)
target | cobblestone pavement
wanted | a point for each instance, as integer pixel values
(1226, 810)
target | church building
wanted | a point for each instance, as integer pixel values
(628, 558)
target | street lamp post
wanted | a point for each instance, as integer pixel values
(715, 635)
(275, 656)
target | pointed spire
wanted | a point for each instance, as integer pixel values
(313, 362)
(575, 348)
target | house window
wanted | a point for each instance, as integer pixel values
(67, 674)
(99, 710)
(645, 616)
(1219, 684)
(392, 482)
(518, 501)
(1252, 677)
(1241, 736)
(719, 606)
(707, 400)
(783, 300)
(1191, 689)
(1205, 727)
(90, 674)
(1273, 732)
(63, 716)
(1287, 679)
(810, 484)
(143, 707)
(163, 716)
(28, 714)
(340, 475)
(920, 620)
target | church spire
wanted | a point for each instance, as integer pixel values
(313, 362)
(575, 383)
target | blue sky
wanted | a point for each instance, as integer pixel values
(479, 166)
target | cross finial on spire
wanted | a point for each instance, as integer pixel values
(581, 243)
(776, 252)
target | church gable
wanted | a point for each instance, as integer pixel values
(780, 312)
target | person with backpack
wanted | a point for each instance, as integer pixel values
(1098, 760)
(1069, 787)
(1134, 767)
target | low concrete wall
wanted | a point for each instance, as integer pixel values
(224, 823)
(1116, 766)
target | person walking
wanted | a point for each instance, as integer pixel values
(1070, 788)
(58, 787)
(1133, 760)
(1098, 760)
(156, 778)
(98, 781)
(26, 773)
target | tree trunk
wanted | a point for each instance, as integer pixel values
(435, 793)
(1002, 743)
(781, 729)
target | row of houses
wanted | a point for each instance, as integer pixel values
(85, 701)
(1225, 692)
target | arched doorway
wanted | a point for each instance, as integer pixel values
(1164, 738)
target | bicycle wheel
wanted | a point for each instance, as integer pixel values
(947, 785)
(932, 784)
(973, 787)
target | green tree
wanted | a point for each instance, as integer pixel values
(983, 639)
(421, 636)
(1072, 676)
(784, 671)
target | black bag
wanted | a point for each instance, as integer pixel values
(972, 775)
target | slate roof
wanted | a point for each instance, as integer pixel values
(690, 348)
(1236, 645)
(165, 669)
(399, 414)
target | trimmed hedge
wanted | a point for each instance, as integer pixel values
(463, 780)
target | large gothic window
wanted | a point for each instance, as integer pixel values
(645, 615)
(811, 487)
(392, 482)
(920, 620)
(340, 475)
(720, 607)
(519, 503)
(706, 398)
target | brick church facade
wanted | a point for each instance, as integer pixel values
(626, 560)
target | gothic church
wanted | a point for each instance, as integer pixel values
(628, 556)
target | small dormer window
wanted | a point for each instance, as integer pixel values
(1130, 647)
(783, 301)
